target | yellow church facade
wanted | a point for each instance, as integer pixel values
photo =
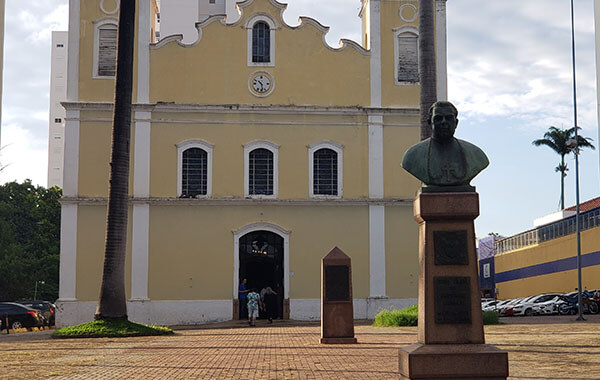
(255, 150)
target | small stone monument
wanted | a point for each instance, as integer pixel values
(451, 343)
(337, 312)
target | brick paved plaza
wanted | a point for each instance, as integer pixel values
(289, 350)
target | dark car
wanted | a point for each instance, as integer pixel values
(19, 316)
(47, 309)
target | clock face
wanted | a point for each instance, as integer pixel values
(261, 84)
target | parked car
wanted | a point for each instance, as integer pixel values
(549, 307)
(47, 309)
(19, 316)
(528, 306)
(506, 309)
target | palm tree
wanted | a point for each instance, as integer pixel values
(112, 303)
(562, 141)
(427, 67)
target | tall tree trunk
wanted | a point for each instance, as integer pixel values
(112, 303)
(427, 67)
(562, 183)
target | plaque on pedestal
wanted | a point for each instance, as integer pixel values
(337, 314)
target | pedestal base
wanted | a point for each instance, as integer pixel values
(453, 361)
(338, 340)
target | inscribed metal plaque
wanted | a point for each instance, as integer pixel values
(337, 283)
(452, 297)
(450, 247)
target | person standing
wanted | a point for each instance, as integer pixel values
(242, 296)
(269, 299)
(254, 303)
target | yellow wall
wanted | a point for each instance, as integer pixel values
(401, 252)
(191, 247)
(91, 232)
(549, 251)
(396, 141)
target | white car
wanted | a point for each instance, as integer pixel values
(528, 306)
(549, 307)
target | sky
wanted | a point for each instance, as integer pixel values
(509, 74)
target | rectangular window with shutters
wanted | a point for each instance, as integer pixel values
(107, 51)
(407, 58)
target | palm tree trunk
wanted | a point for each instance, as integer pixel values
(562, 183)
(427, 67)
(112, 303)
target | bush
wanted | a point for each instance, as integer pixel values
(110, 328)
(409, 317)
(404, 317)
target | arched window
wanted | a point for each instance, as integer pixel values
(407, 56)
(260, 166)
(105, 48)
(194, 169)
(325, 170)
(194, 180)
(260, 174)
(261, 41)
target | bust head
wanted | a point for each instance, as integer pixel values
(443, 120)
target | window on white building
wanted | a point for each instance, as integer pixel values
(105, 49)
(194, 169)
(261, 41)
(260, 167)
(325, 170)
(407, 56)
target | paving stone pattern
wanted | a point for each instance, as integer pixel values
(285, 350)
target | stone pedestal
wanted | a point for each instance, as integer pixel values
(450, 335)
(337, 313)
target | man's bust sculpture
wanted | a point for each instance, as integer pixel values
(442, 162)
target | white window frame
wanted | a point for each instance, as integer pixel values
(273, 148)
(97, 25)
(339, 149)
(272, 26)
(397, 32)
(208, 148)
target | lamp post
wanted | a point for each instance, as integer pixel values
(35, 291)
(576, 152)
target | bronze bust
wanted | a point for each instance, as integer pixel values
(443, 162)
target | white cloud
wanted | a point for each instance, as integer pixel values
(24, 155)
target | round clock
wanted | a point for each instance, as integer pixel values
(261, 83)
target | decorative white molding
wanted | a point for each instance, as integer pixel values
(344, 43)
(441, 50)
(262, 226)
(251, 79)
(141, 155)
(71, 157)
(375, 45)
(274, 148)
(68, 252)
(143, 53)
(376, 156)
(110, 12)
(377, 251)
(272, 27)
(409, 6)
(339, 149)
(397, 32)
(139, 251)
(98, 24)
(205, 146)
(73, 51)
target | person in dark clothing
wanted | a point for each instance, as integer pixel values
(269, 300)
(243, 296)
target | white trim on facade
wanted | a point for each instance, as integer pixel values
(339, 149)
(141, 155)
(274, 148)
(71, 158)
(110, 12)
(139, 251)
(377, 251)
(98, 24)
(414, 9)
(262, 226)
(375, 45)
(376, 156)
(441, 50)
(205, 146)
(68, 253)
(143, 52)
(73, 52)
(272, 27)
(397, 32)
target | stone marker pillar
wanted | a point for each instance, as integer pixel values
(451, 342)
(337, 313)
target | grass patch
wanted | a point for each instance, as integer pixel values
(110, 328)
(404, 317)
(409, 317)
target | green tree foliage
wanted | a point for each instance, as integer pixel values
(29, 241)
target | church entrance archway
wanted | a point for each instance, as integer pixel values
(261, 263)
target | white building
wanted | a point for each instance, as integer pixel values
(58, 93)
